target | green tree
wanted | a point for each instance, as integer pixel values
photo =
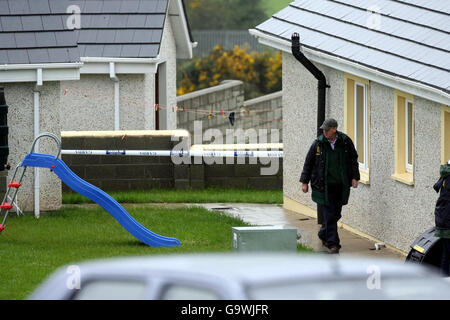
(225, 14)
(260, 72)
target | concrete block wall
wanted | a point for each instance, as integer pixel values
(246, 176)
(260, 113)
(195, 106)
(242, 176)
(266, 113)
(117, 173)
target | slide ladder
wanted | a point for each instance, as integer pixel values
(88, 190)
(5, 205)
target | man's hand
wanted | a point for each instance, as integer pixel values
(355, 183)
(305, 187)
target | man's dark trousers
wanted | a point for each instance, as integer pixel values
(331, 215)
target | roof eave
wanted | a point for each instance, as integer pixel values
(182, 32)
(101, 65)
(396, 82)
(29, 72)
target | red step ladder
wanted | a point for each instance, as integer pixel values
(5, 205)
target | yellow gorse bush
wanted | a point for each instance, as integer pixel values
(260, 72)
(194, 4)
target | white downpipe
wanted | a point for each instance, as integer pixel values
(37, 95)
(113, 76)
(116, 105)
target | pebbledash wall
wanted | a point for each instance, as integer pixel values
(118, 173)
(261, 113)
(385, 209)
(88, 104)
(19, 98)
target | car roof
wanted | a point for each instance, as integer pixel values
(233, 273)
(255, 268)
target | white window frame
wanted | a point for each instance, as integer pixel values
(409, 167)
(365, 165)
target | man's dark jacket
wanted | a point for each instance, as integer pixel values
(316, 167)
(442, 210)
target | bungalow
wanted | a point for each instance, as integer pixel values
(388, 71)
(129, 51)
(37, 52)
(86, 65)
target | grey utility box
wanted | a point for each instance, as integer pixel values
(264, 238)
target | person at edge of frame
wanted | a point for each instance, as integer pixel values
(332, 167)
(442, 216)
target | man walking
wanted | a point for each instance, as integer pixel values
(332, 167)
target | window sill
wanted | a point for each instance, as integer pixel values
(406, 178)
(364, 177)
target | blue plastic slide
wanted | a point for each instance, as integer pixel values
(103, 199)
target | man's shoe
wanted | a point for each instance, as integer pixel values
(324, 243)
(334, 250)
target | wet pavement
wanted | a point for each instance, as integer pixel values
(307, 228)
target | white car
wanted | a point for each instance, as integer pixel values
(245, 277)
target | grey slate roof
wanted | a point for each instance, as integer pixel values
(121, 28)
(412, 41)
(34, 31)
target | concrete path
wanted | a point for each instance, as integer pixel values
(263, 214)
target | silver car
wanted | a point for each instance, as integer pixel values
(245, 277)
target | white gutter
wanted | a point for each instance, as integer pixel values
(120, 60)
(99, 65)
(50, 72)
(414, 88)
(36, 94)
(113, 76)
(5, 67)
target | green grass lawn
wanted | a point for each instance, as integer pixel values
(33, 248)
(273, 6)
(187, 196)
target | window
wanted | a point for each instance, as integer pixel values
(112, 290)
(184, 292)
(393, 287)
(361, 124)
(409, 136)
(445, 136)
(356, 120)
(404, 138)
